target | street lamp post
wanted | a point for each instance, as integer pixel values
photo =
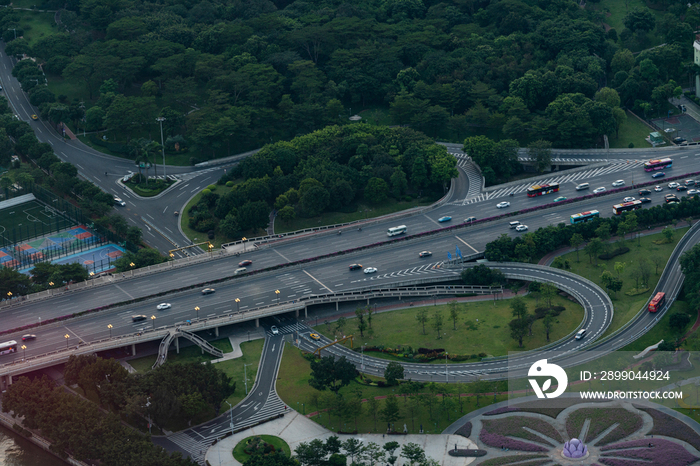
(172, 259)
(153, 319)
(243, 240)
(9, 295)
(50, 290)
(162, 146)
(67, 337)
(277, 292)
(109, 326)
(238, 309)
(211, 249)
(231, 412)
(25, 351)
(196, 308)
(132, 265)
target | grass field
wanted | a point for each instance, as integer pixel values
(29, 220)
(626, 306)
(241, 456)
(294, 389)
(481, 327)
(632, 131)
(615, 12)
(37, 25)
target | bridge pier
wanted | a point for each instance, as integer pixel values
(336, 306)
(216, 331)
(296, 312)
(306, 312)
(5, 382)
(133, 348)
(257, 322)
(177, 345)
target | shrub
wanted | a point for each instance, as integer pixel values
(206, 191)
(229, 184)
(615, 253)
(211, 187)
(482, 355)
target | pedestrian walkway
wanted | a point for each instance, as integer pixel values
(294, 428)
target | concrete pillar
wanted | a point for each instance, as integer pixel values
(296, 311)
(216, 331)
(336, 305)
(368, 301)
(177, 345)
(306, 312)
(133, 348)
(257, 322)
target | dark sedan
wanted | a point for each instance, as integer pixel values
(644, 192)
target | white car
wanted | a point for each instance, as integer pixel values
(599, 190)
(673, 185)
(274, 330)
(163, 306)
(370, 270)
(692, 192)
(502, 205)
(628, 199)
(118, 201)
(658, 189)
(619, 183)
(521, 228)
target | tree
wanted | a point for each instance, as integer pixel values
(373, 408)
(287, 213)
(376, 190)
(518, 308)
(454, 313)
(518, 330)
(593, 248)
(393, 373)
(399, 184)
(668, 234)
(437, 322)
(639, 20)
(576, 241)
(353, 447)
(611, 282)
(547, 323)
(361, 324)
(390, 448)
(413, 453)
(422, 317)
(541, 152)
(134, 234)
(678, 321)
(390, 412)
(608, 96)
(329, 373)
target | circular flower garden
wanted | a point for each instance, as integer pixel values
(590, 434)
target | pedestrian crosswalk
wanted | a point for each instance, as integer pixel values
(288, 329)
(434, 268)
(196, 447)
(575, 177)
(473, 175)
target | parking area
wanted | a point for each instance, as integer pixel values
(679, 126)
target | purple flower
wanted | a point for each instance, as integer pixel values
(645, 452)
(574, 448)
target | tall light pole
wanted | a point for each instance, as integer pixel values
(25, 351)
(277, 292)
(238, 309)
(231, 412)
(162, 146)
(109, 326)
(66, 336)
(153, 319)
(196, 308)
(243, 240)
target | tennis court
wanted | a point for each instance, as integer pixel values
(30, 220)
(96, 260)
(679, 125)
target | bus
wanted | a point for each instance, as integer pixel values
(393, 231)
(627, 206)
(657, 164)
(584, 216)
(540, 189)
(8, 347)
(658, 302)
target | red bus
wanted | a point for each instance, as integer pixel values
(658, 302)
(540, 189)
(657, 164)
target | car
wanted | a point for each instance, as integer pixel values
(658, 175)
(239, 270)
(682, 108)
(672, 199)
(658, 189)
(645, 200)
(502, 205)
(618, 183)
(370, 270)
(444, 219)
(559, 199)
(644, 192)
(582, 186)
(118, 201)
(274, 330)
(628, 199)
(28, 337)
(599, 190)
(669, 195)
(679, 139)
(163, 306)
(470, 219)
(355, 266)
(673, 185)
(425, 254)
(580, 334)
(0, 88)
(34, 117)
(682, 188)
(521, 228)
(692, 192)
(138, 318)
(245, 263)
(315, 336)
(208, 290)
(689, 182)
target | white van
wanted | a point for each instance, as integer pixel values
(580, 334)
(240, 270)
(514, 224)
(582, 186)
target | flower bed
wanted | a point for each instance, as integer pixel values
(601, 419)
(639, 453)
(669, 426)
(465, 430)
(509, 459)
(499, 441)
(513, 426)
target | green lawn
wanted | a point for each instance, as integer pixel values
(626, 307)
(362, 212)
(482, 327)
(186, 355)
(241, 456)
(294, 389)
(632, 131)
(615, 11)
(376, 115)
(662, 331)
(37, 25)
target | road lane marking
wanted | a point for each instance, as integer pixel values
(166, 208)
(314, 279)
(469, 245)
(281, 255)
